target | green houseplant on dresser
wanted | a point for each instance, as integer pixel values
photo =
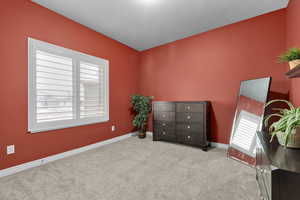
(292, 56)
(287, 128)
(142, 107)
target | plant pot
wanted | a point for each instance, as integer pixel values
(294, 63)
(294, 141)
(142, 134)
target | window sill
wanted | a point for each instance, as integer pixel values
(45, 128)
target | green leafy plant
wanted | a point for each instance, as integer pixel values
(289, 119)
(290, 55)
(142, 106)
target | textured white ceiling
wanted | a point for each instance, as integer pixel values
(143, 24)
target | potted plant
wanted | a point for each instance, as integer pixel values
(287, 128)
(142, 106)
(292, 56)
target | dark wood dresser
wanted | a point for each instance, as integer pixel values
(182, 122)
(278, 170)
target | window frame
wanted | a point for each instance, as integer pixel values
(77, 57)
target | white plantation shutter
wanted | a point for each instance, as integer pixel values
(66, 88)
(54, 87)
(91, 90)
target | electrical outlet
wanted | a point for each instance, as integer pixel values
(10, 149)
(113, 128)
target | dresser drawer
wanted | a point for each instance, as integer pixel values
(189, 107)
(164, 116)
(164, 124)
(196, 128)
(164, 107)
(190, 139)
(165, 134)
(189, 117)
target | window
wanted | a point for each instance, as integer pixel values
(66, 88)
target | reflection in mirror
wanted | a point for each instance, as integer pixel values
(248, 119)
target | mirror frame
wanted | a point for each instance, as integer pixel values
(249, 160)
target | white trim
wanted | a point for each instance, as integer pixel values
(219, 145)
(39, 162)
(77, 57)
(213, 144)
(149, 133)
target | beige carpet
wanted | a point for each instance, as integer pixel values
(135, 169)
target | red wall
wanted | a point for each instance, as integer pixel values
(21, 19)
(210, 66)
(293, 40)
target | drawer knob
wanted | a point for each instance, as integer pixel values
(188, 107)
(164, 116)
(189, 117)
(189, 137)
(188, 127)
(164, 124)
(164, 133)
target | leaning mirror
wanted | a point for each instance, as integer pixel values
(248, 119)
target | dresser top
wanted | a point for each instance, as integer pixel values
(283, 158)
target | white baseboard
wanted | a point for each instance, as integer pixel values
(39, 162)
(149, 133)
(219, 145)
(213, 144)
